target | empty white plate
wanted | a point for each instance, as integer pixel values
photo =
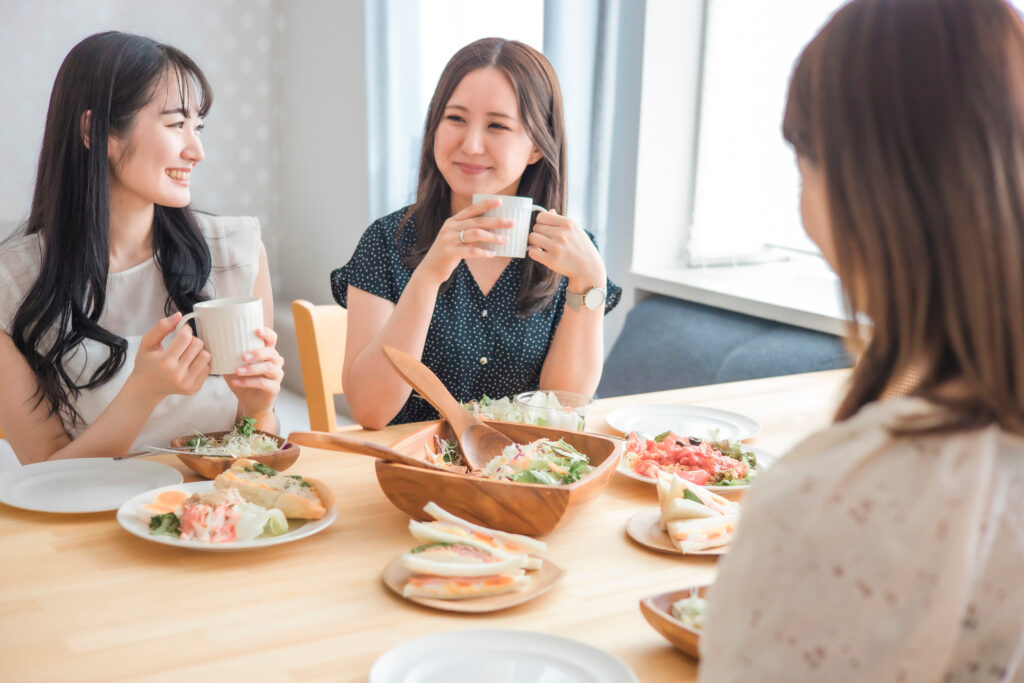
(498, 655)
(82, 485)
(683, 420)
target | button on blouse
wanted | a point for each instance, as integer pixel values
(477, 345)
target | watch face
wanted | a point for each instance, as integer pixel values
(594, 299)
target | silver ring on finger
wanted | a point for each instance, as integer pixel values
(462, 236)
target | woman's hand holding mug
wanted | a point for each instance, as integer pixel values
(257, 382)
(179, 368)
(467, 234)
(563, 246)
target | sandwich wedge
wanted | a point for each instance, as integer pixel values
(457, 559)
(695, 535)
(455, 588)
(297, 497)
(464, 531)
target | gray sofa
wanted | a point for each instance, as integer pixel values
(668, 343)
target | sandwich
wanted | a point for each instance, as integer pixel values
(696, 535)
(453, 571)
(457, 559)
(460, 559)
(681, 499)
(447, 528)
(297, 497)
(450, 588)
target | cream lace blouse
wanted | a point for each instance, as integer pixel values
(861, 557)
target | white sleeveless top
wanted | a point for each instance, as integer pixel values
(135, 302)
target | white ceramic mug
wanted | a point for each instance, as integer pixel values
(228, 329)
(518, 210)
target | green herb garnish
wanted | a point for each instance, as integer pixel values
(264, 470)
(690, 495)
(166, 524)
(245, 426)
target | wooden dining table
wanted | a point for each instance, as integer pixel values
(82, 599)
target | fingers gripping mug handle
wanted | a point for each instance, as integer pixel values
(184, 319)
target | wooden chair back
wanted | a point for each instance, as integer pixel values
(321, 335)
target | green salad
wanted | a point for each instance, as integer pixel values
(540, 462)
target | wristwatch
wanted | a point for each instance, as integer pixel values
(593, 299)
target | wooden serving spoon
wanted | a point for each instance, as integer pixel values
(337, 442)
(479, 442)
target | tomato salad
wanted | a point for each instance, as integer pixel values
(701, 461)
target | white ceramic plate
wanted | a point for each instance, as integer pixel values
(498, 655)
(297, 528)
(83, 484)
(683, 420)
(764, 461)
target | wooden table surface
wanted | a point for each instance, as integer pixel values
(82, 599)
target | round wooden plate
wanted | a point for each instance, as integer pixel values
(645, 528)
(395, 577)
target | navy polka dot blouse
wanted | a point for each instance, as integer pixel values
(475, 344)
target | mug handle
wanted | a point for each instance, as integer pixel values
(537, 207)
(184, 319)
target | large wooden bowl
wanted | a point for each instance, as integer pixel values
(533, 509)
(210, 467)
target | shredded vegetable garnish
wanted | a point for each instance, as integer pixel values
(241, 442)
(690, 610)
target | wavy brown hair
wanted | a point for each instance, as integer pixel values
(540, 106)
(914, 112)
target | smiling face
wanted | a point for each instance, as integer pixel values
(480, 145)
(153, 162)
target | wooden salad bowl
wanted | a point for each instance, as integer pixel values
(210, 466)
(657, 610)
(533, 509)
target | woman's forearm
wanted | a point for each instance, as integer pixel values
(374, 390)
(117, 427)
(576, 355)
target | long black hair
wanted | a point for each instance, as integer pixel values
(112, 75)
(540, 105)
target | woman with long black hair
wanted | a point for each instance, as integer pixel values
(113, 256)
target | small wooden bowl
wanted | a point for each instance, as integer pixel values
(657, 610)
(533, 509)
(210, 467)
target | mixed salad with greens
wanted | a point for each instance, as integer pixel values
(541, 462)
(540, 408)
(241, 442)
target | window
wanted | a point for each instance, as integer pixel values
(746, 194)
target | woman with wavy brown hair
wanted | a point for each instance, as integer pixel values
(889, 547)
(423, 279)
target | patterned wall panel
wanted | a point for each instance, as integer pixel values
(237, 43)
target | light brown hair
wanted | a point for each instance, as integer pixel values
(914, 112)
(539, 97)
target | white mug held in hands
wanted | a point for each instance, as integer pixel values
(518, 210)
(228, 329)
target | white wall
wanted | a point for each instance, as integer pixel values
(324, 203)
